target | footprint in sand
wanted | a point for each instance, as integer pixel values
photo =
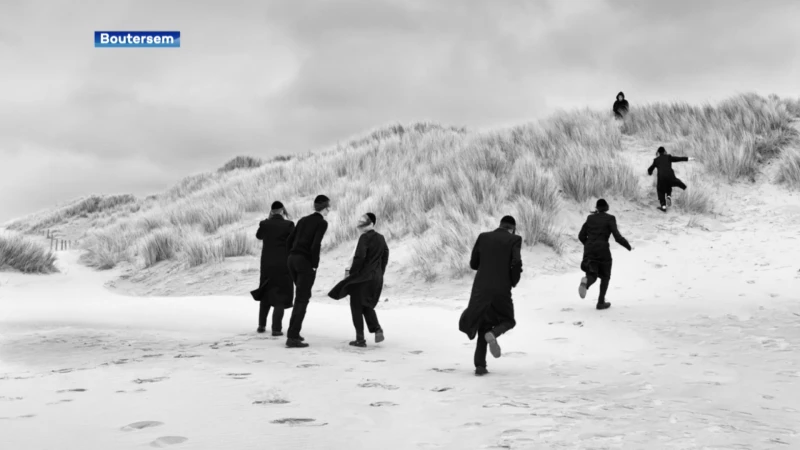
(513, 404)
(370, 384)
(274, 401)
(71, 390)
(63, 370)
(187, 356)
(441, 389)
(166, 441)
(378, 404)
(298, 421)
(66, 400)
(10, 399)
(443, 370)
(150, 380)
(239, 376)
(415, 352)
(789, 373)
(567, 309)
(158, 355)
(141, 425)
(373, 360)
(306, 366)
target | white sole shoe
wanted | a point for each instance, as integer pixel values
(494, 347)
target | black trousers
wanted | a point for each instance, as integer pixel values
(480, 349)
(601, 270)
(664, 189)
(277, 316)
(303, 275)
(362, 312)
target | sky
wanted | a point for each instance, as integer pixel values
(273, 77)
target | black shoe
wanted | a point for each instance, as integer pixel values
(301, 338)
(277, 333)
(603, 305)
(295, 343)
(261, 330)
(663, 208)
(480, 371)
(582, 287)
(379, 336)
(359, 343)
(669, 202)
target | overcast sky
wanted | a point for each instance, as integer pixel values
(263, 78)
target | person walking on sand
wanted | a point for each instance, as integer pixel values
(596, 262)
(276, 289)
(666, 176)
(305, 244)
(490, 312)
(620, 107)
(364, 280)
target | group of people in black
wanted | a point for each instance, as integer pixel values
(291, 255)
(289, 260)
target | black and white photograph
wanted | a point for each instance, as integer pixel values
(400, 224)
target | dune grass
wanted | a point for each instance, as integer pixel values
(732, 139)
(443, 185)
(789, 168)
(25, 255)
(88, 207)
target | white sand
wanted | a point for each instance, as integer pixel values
(699, 350)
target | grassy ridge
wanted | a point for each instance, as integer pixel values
(441, 185)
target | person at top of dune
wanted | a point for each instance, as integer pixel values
(490, 312)
(363, 281)
(666, 176)
(305, 244)
(275, 287)
(596, 263)
(620, 106)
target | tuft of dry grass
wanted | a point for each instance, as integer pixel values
(25, 255)
(241, 162)
(789, 168)
(160, 245)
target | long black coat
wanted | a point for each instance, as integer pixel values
(306, 238)
(275, 285)
(594, 236)
(496, 257)
(664, 165)
(366, 273)
(620, 107)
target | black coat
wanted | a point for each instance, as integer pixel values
(275, 284)
(620, 107)
(594, 235)
(664, 165)
(306, 238)
(366, 273)
(496, 257)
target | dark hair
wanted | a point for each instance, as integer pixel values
(371, 217)
(321, 202)
(661, 150)
(602, 205)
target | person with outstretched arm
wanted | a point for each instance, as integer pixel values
(490, 312)
(596, 263)
(363, 281)
(276, 289)
(666, 176)
(305, 244)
